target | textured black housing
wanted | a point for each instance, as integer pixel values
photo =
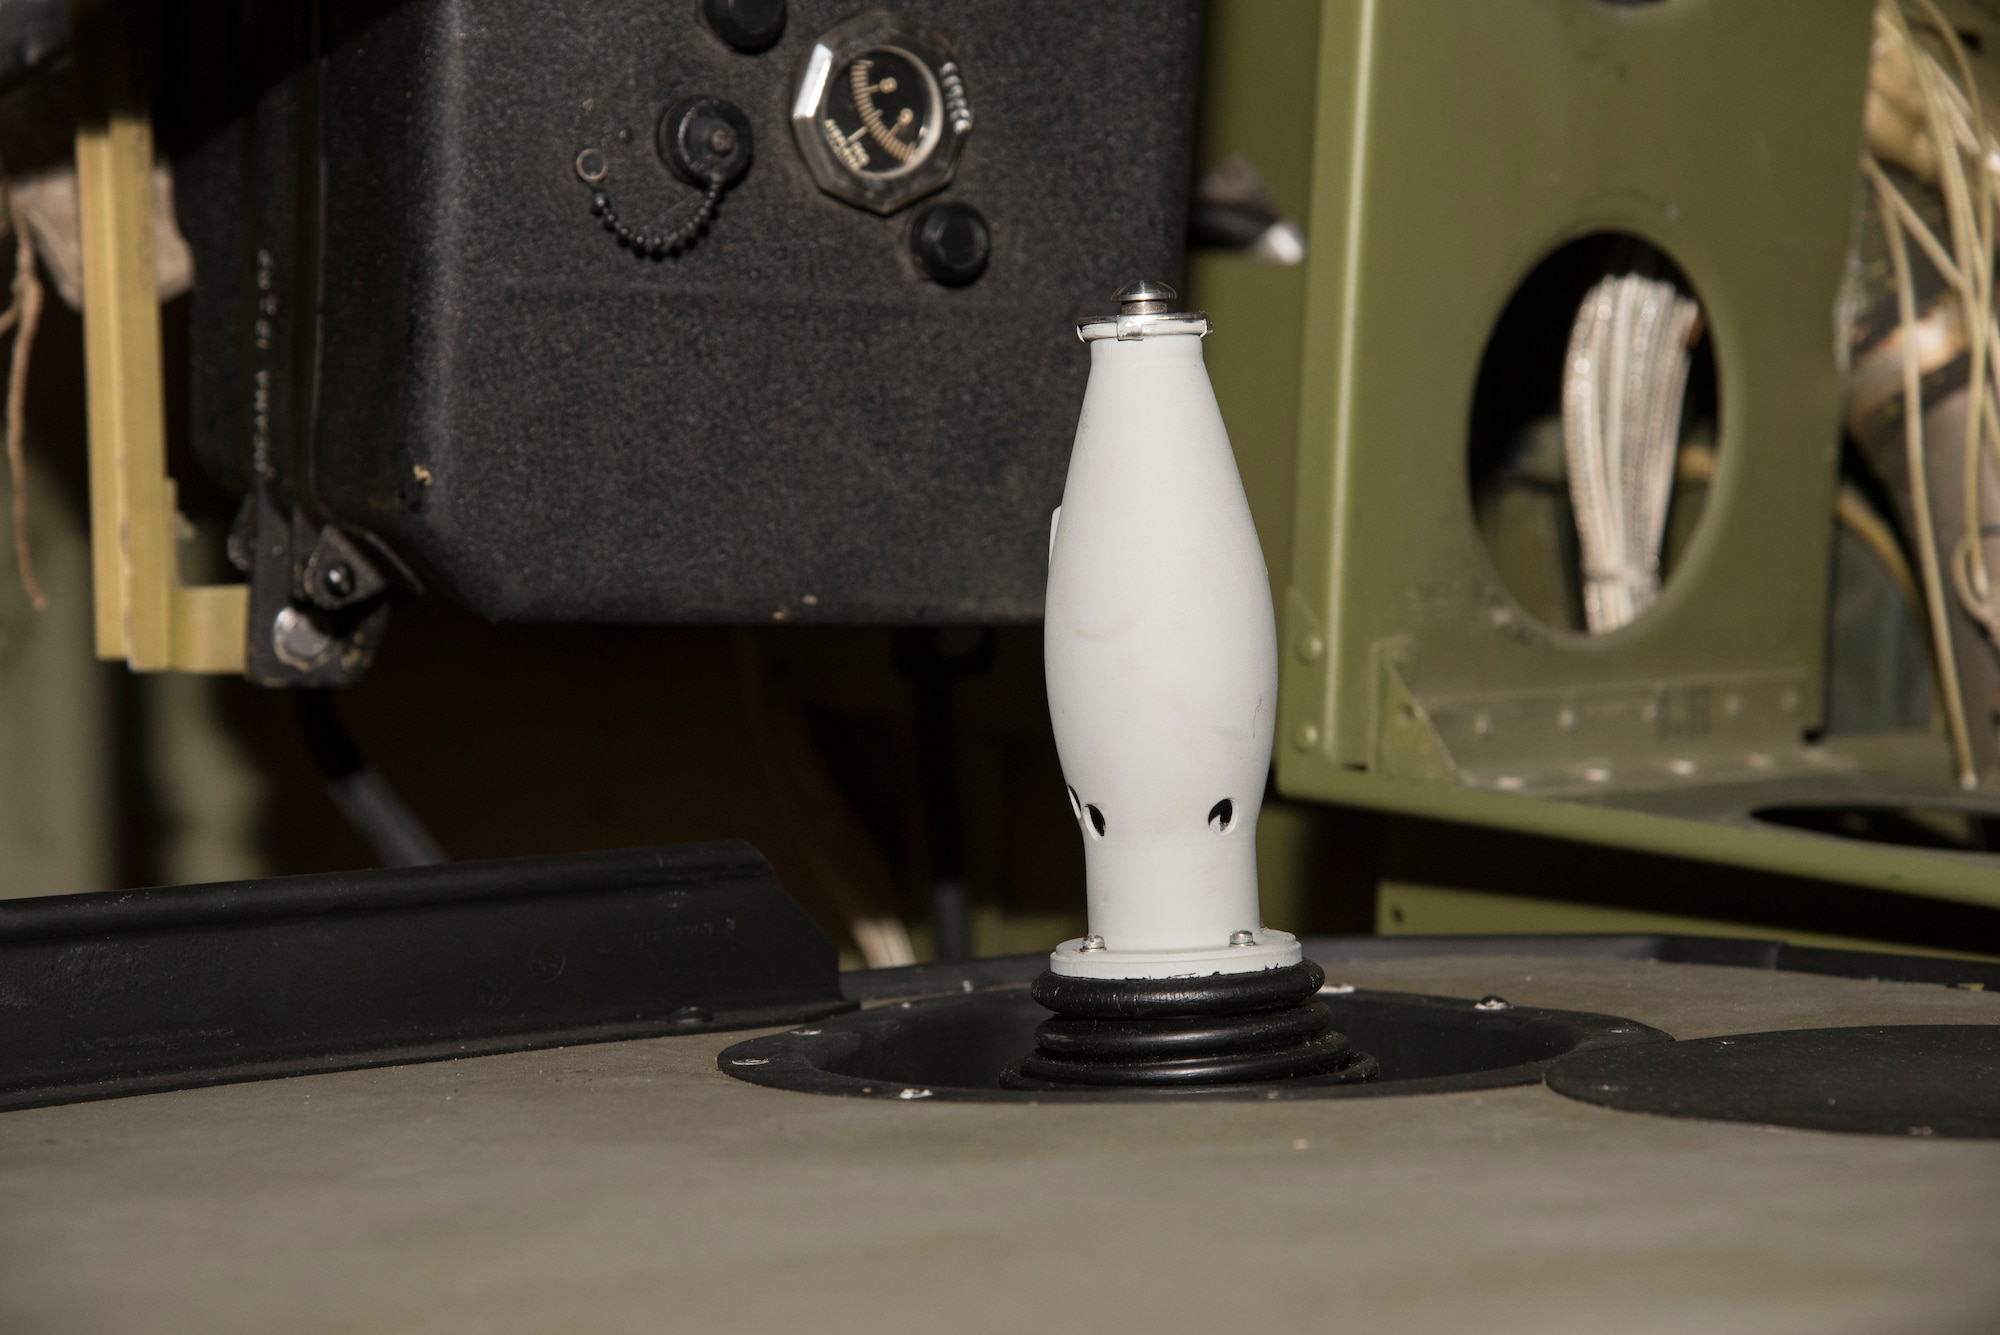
(789, 421)
(121, 992)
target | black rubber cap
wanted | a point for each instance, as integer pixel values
(1192, 1036)
(1322, 1055)
(1172, 998)
(704, 140)
(747, 25)
(951, 243)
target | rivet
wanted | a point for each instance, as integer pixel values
(1310, 647)
(1242, 938)
(913, 1093)
(1493, 1004)
(1306, 736)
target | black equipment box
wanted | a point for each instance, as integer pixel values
(422, 346)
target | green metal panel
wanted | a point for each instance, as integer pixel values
(1456, 147)
(1452, 147)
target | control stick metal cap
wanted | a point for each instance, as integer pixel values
(1145, 309)
(1145, 297)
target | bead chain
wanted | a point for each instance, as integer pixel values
(652, 245)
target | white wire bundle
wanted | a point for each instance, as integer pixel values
(1623, 379)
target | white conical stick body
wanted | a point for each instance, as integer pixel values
(1161, 655)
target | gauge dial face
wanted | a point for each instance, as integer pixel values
(879, 112)
(883, 113)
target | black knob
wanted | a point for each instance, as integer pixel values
(705, 140)
(747, 25)
(951, 243)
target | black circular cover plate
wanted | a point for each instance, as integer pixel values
(1891, 1080)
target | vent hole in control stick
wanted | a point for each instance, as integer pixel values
(1096, 821)
(1221, 816)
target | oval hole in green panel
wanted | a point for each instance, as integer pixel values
(1517, 456)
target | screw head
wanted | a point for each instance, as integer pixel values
(1092, 942)
(722, 141)
(1242, 938)
(298, 643)
(338, 579)
(1493, 1004)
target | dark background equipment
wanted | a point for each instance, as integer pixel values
(422, 355)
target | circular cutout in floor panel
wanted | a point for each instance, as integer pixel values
(1890, 1080)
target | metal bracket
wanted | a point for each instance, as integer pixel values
(1407, 744)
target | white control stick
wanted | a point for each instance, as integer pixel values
(1161, 653)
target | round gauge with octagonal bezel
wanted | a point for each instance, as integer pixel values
(879, 112)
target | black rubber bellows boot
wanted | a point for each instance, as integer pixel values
(1178, 1032)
